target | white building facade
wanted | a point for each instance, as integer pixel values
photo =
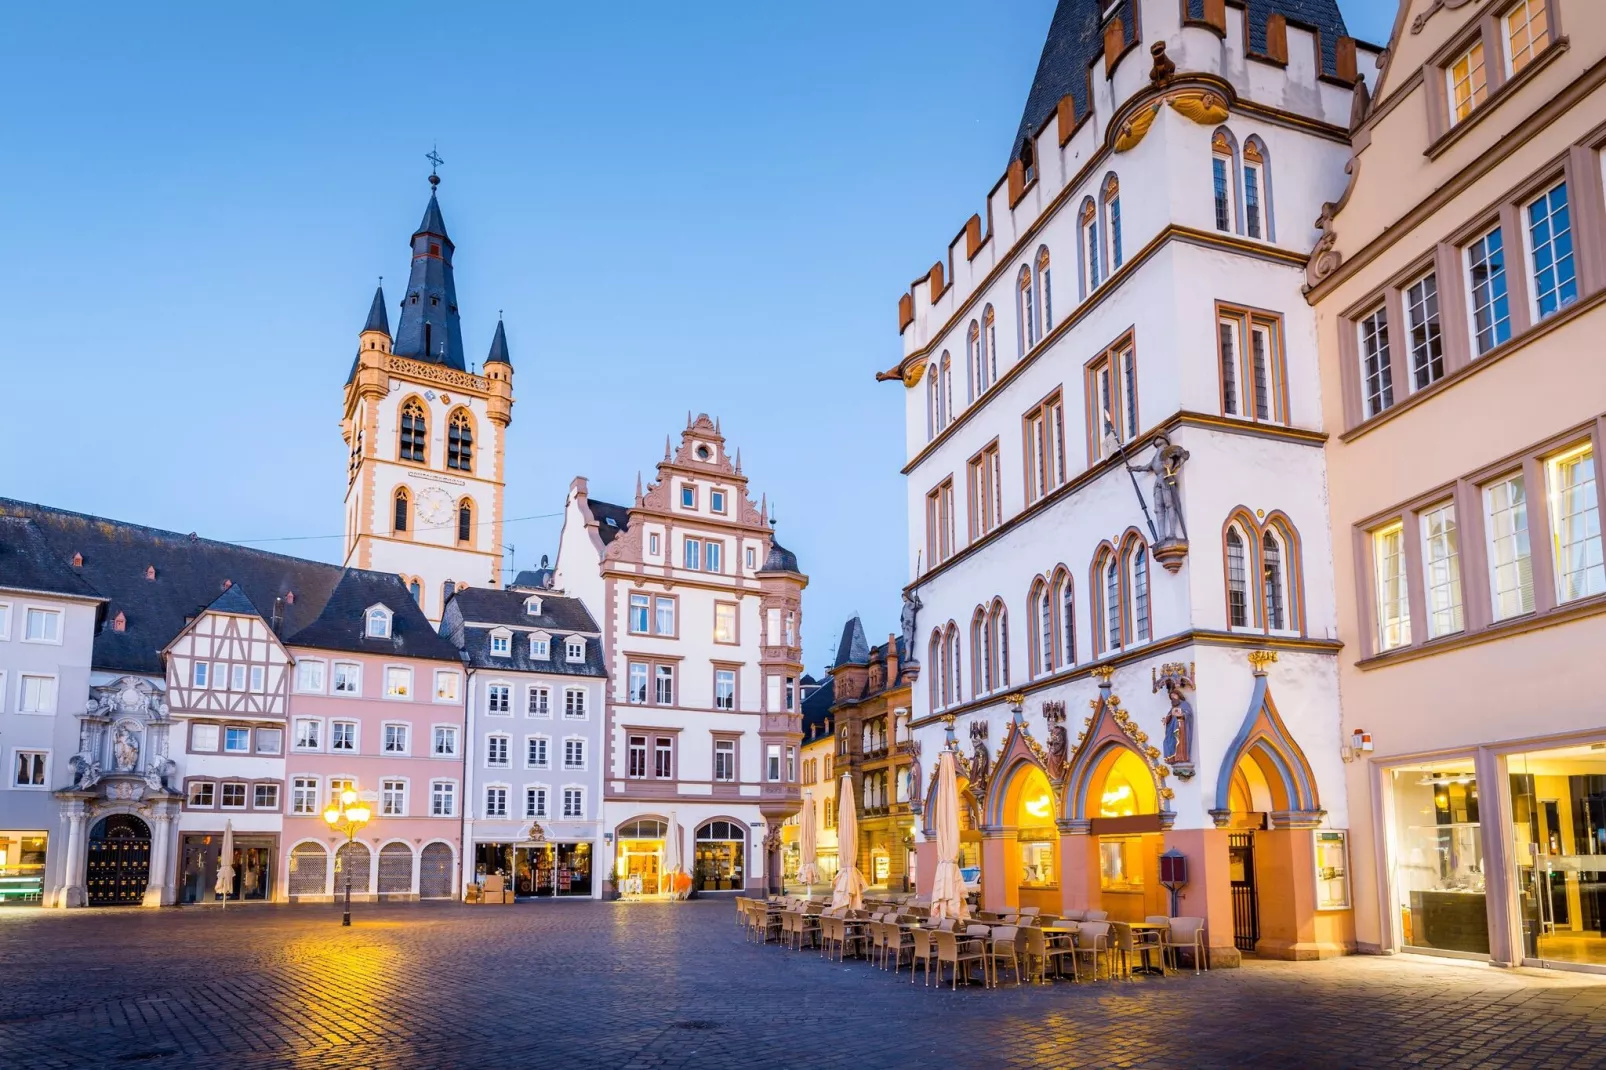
(1140, 661)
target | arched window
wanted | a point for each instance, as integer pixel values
(933, 402)
(1045, 290)
(1042, 619)
(1090, 244)
(973, 365)
(1221, 179)
(1025, 308)
(416, 589)
(1273, 589)
(1257, 219)
(465, 521)
(460, 441)
(1065, 599)
(981, 671)
(935, 654)
(1112, 219)
(989, 343)
(998, 633)
(1107, 601)
(1137, 556)
(1237, 580)
(414, 432)
(946, 392)
(951, 663)
(402, 511)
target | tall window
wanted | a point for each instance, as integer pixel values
(1065, 597)
(1511, 582)
(495, 801)
(636, 757)
(974, 368)
(950, 662)
(1045, 446)
(465, 521)
(939, 677)
(664, 685)
(724, 622)
(403, 509)
(724, 689)
(1042, 610)
(940, 523)
(1138, 558)
(981, 670)
(460, 442)
(1221, 180)
(1090, 245)
(989, 344)
(1252, 380)
(1273, 579)
(304, 795)
(640, 608)
(1491, 306)
(1112, 602)
(1237, 580)
(1527, 29)
(1441, 570)
(442, 798)
(1377, 378)
(1422, 325)
(1227, 331)
(1467, 82)
(1112, 220)
(535, 801)
(1550, 251)
(638, 683)
(945, 393)
(663, 765)
(692, 557)
(414, 441)
(1026, 308)
(1045, 289)
(393, 798)
(664, 615)
(998, 635)
(1254, 190)
(536, 752)
(933, 402)
(985, 491)
(1575, 525)
(1393, 606)
(1112, 393)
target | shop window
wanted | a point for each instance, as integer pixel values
(1437, 858)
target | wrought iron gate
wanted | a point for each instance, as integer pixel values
(118, 868)
(1245, 905)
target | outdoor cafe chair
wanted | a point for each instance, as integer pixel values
(854, 941)
(1074, 915)
(1185, 934)
(899, 942)
(1092, 941)
(876, 935)
(924, 952)
(1048, 955)
(830, 934)
(1030, 912)
(1123, 947)
(1002, 949)
(1097, 915)
(959, 954)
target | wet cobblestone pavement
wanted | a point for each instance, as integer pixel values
(585, 984)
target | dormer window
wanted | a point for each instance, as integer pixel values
(501, 643)
(540, 646)
(378, 622)
(532, 607)
(688, 496)
(574, 649)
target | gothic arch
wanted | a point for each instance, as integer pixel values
(1109, 733)
(1019, 753)
(968, 803)
(1265, 741)
(1255, 152)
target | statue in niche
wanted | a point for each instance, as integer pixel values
(981, 761)
(1166, 468)
(906, 619)
(125, 748)
(1058, 741)
(161, 767)
(1174, 677)
(911, 775)
(85, 769)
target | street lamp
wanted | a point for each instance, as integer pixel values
(347, 814)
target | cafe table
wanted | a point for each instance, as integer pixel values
(1137, 927)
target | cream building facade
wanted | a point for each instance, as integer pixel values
(1457, 287)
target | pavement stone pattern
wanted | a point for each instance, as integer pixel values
(648, 985)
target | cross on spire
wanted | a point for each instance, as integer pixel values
(434, 158)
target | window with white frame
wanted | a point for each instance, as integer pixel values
(304, 798)
(725, 760)
(692, 557)
(343, 735)
(1138, 561)
(724, 689)
(1511, 585)
(393, 798)
(31, 769)
(1274, 583)
(985, 477)
(535, 801)
(501, 644)
(1393, 601)
(574, 648)
(42, 626)
(752, 558)
(231, 795)
(664, 758)
(713, 556)
(640, 611)
(258, 678)
(574, 802)
(444, 742)
(535, 752)
(1527, 33)
(442, 798)
(574, 702)
(664, 685)
(772, 762)
(940, 541)
(309, 675)
(496, 751)
(1237, 579)
(5, 620)
(664, 615)
(236, 740)
(636, 687)
(540, 647)
(264, 796)
(236, 677)
(1254, 172)
(716, 500)
(1377, 376)
(1112, 223)
(636, 757)
(1575, 525)
(1112, 603)
(398, 682)
(204, 738)
(1422, 331)
(574, 754)
(498, 698)
(203, 795)
(1113, 400)
(1045, 441)
(36, 694)
(396, 738)
(688, 496)
(201, 674)
(1489, 302)
(1025, 308)
(1091, 255)
(724, 622)
(1045, 294)
(348, 678)
(447, 686)
(338, 786)
(1221, 181)
(538, 701)
(378, 623)
(1466, 81)
(495, 800)
(1441, 570)
(532, 606)
(1550, 252)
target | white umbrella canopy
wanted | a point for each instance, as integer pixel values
(808, 870)
(948, 885)
(672, 861)
(847, 890)
(225, 863)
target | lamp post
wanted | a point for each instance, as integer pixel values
(347, 814)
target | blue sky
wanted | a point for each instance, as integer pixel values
(710, 206)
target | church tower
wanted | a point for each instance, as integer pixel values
(425, 435)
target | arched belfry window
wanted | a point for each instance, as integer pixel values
(465, 521)
(414, 432)
(403, 511)
(460, 442)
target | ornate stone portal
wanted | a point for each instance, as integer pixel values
(122, 767)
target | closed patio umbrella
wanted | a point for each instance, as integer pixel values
(948, 886)
(672, 862)
(808, 870)
(847, 890)
(225, 864)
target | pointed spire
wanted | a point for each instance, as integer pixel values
(716, 425)
(429, 329)
(666, 448)
(688, 419)
(738, 460)
(499, 347)
(378, 318)
(639, 496)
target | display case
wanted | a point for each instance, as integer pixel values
(1332, 869)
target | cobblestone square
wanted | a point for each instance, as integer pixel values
(675, 985)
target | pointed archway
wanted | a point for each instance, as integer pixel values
(1265, 761)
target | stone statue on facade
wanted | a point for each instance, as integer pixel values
(911, 773)
(1173, 678)
(1166, 468)
(1058, 741)
(161, 767)
(981, 761)
(125, 748)
(907, 621)
(86, 771)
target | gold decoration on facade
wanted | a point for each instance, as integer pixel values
(913, 373)
(1259, 659)
(1133, 130)
(1203, 106)
(1103, 673)
(1220, 144)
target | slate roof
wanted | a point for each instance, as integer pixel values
(431, 298)
(29, 563)
(854, 648)
(817, 711)
(341, 623)
(474, 613)
(378, 318)
(234, 600)
(1075, 40)
(605, 512)
(499, 347)
(780, 559)
(534, 579)
(189, 576)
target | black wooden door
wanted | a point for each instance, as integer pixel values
(118, 868)
(1245, 905)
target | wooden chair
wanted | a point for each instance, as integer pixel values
(1002, 949)
(1185, 934)
(957, 954)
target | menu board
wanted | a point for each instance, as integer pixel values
(1332, 869)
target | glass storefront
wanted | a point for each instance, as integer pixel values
(639, 856)
(1437, 858)
(22, 866)
(553, 869)
(719, 857)
(1558, 837)
(253, 864)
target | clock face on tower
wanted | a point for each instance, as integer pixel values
(434, 505)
